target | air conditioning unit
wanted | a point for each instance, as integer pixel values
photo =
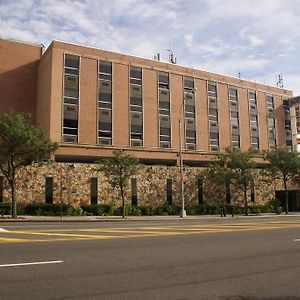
(214, 148)
(137, 116)
(71, 108)
(191, 146)
(165, 144)
(104, 141)
(137, 143)
(70, 139)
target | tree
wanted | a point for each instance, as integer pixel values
(118, 169)
(21, 143)
(285, 165)
(234, 167)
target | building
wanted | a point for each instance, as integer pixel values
(93, 101)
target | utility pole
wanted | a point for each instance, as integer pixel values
(183, 211)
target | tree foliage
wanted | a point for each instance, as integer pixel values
(234, 167)
(21, 143)
(119, 169)
(284, 165)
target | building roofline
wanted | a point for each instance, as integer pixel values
(22, 42)
(280, 90)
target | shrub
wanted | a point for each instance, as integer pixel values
(145, 210)
(5, 209)
(46, 209)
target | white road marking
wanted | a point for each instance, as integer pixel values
(33, 263)
(3, 230)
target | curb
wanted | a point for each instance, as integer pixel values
(66, 219)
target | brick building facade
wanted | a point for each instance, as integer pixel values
(93, 101)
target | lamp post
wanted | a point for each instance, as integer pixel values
(182, 212)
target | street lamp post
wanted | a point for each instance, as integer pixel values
(182, 212)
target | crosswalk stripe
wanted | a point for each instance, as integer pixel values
(138, 232)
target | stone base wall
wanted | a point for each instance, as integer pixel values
(72, 185)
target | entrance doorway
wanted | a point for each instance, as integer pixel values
(294, 199)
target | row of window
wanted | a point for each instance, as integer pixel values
(134, 191)
(105, 78)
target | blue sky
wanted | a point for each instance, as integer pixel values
(258, 38)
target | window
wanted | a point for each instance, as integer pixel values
(252, 101)
(105, 103)
(271, 121)
(136, 107)
(252, 187)
(200, 191)
(164, 110)
(287, 122)
(234, 117)
(169, 192)
(94, 190)
(49, 190)
(213, 116)
(235, 141)
(70, 99)
(189, 112)
(270, 101)
(133, 191)
(255, 142)
(163, 80)
(253, 120)
(214, 139)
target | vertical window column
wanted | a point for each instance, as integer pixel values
(105, 103)
(287, 123)
(189, 112)
(234, 118)
(271, 121)
(94, 190)
(253, 116)
(136, 107)
(213, 116)
(169, 192)
(49, 190)
(164, 110)
(133, 191)
(200, 191)
(71, 99)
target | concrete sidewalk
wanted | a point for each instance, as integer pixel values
(138, 218)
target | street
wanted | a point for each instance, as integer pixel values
(250, 258)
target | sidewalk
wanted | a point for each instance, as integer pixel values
(138, 218)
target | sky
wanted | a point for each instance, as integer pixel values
(257, 39)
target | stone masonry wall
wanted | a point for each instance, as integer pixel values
(71, 184)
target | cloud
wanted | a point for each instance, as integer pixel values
(260, 38)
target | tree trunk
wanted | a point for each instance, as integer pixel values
(13, 200)
(286, 197)
(246, 203)
(123, 201)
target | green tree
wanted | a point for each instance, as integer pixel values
(234, 167)
(284, 165)
(118, 169)
(21, 143)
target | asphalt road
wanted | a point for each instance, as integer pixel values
(220, 259)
